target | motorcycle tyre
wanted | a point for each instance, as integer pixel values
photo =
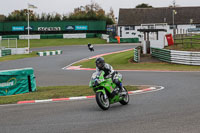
(124, 102)
(99, 95)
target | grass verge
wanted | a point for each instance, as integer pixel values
(20, 56)
(121, 61)
(55, 92)
(60, 42)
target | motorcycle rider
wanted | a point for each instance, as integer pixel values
(109, 72)
(90, 47)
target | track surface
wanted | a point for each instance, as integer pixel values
(176, 109)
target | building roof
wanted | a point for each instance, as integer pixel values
(138, 16)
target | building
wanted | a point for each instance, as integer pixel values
(179, 20)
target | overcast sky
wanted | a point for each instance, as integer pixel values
(67, 6)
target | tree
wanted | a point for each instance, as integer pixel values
(92, 12)
(111, 15)
(21, 15)
(144, 5)
(88, 12)
(2, 18)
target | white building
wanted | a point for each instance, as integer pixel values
(184, 19)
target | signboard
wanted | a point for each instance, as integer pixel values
(49, 28)
(81, 27)
(17, 28)
(70, 27)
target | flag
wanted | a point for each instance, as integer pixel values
(31, 6)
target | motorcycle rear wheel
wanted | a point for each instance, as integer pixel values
(101, 101)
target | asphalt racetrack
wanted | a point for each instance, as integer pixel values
(175, 109)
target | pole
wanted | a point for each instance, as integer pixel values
(173, 23)
(28, 32)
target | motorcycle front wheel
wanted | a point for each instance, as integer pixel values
(102, 101)
(125, 99)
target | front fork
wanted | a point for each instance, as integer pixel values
(104, 93)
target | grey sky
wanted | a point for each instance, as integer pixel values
(67, 6)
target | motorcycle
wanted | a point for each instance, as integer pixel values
(90, 47)
(106, 91)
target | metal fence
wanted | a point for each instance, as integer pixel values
(187, 40)
(8, 43)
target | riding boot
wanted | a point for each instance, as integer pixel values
(121, 90)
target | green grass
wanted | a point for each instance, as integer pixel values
(54, 92)
(50, 42)
(122, 61)
(59, 42)
(20, 56)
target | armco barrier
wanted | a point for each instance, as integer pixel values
(161, 54)
(48, 53)
(178, 57)
(137, 52)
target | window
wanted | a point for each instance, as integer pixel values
(129, 27)
(120, 31)
(151, 27)
(172, 27)
(132, 27)
(127, 32)
(198, 26)
(133, 33)
(126, 27)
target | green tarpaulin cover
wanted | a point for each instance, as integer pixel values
(17, 81)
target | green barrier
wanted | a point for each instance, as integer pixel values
(10, 36)
(99, 35)
(161, 54)
(17, 81)
(51, 36)
(124, 40)
(5, 52)
(90, 35)
(129, 40)
(113, 40)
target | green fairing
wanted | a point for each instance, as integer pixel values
(105, 85)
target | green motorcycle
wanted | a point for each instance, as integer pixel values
(106, 91)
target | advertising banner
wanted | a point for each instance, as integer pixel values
(81, 27)
(82, 35)
(70, 27)
(49, 28)
(26, 28)
(17, 28)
